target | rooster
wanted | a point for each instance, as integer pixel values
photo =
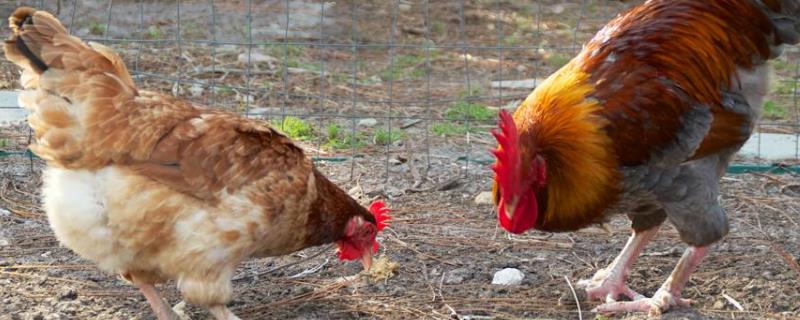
(643, 121)
(155, 188)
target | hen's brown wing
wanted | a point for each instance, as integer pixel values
(214, 151)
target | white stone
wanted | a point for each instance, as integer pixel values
(484, 198)
(257, 57)
(517, 84)
(508, 277)
(196, 90)
(368, 122)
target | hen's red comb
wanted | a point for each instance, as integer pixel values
(507, 154)
(381, 214)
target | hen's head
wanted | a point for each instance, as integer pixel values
(519, 180)
(359, 241)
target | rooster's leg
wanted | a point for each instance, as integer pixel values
(160, 307)
(222, 312)
(607, 284)
(670, 292)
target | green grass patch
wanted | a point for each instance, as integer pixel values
(154, 32)
(463, 110)
(445, 129)
(224, 91)
(774, 111)
(784, 87)
(512, 39)
(438, 28)
(97, 28)
(472, 91)
(295, 128)
(4, 143)
(460, 111)
(290, 55)
(339, 139)
(558, 60)
(384, 138)
(405, 67)
(782, 65)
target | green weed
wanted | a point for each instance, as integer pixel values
(463, 110)
(97, 28)
(445, 129)
(154, 32)
(773, 110)
(405, 67)
(558, 60)
(338, 139)
(383, 137)
(295, 128)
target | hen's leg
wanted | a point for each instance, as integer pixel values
(160, 307)
(607, 284)
(212, 290)
(670, 292)
(222, 312)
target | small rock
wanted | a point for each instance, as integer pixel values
(52, 316)
(4, 242)
(368, 122)
(300, 71)
(508, 277)
(517, 84)
(458, 276)
(196, 90)
(485, 197)
(719, 305)
(257, 57)
(70, 294)
(245, 98)
(4, 213)
(265, 111)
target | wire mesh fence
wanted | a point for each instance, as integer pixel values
(353, 79)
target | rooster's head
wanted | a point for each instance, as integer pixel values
(519, 181)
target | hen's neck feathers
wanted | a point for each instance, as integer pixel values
(330, 212)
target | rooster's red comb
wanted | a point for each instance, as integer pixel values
(381, 214)
(507, 154)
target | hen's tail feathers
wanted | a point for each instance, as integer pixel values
(78, 92)
(40, 42)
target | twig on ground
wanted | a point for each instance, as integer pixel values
(575, 295)
(733, 301)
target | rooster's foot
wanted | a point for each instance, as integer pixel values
(607, 287)
(660, 302)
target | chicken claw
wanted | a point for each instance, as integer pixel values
(609, 283)
(661, 301)
(607, 288)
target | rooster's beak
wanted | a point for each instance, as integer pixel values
(510, 208)
(366, 259)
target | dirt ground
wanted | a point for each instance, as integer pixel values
(447, 250)
(446, 247)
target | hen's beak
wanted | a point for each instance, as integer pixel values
(366, 259)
